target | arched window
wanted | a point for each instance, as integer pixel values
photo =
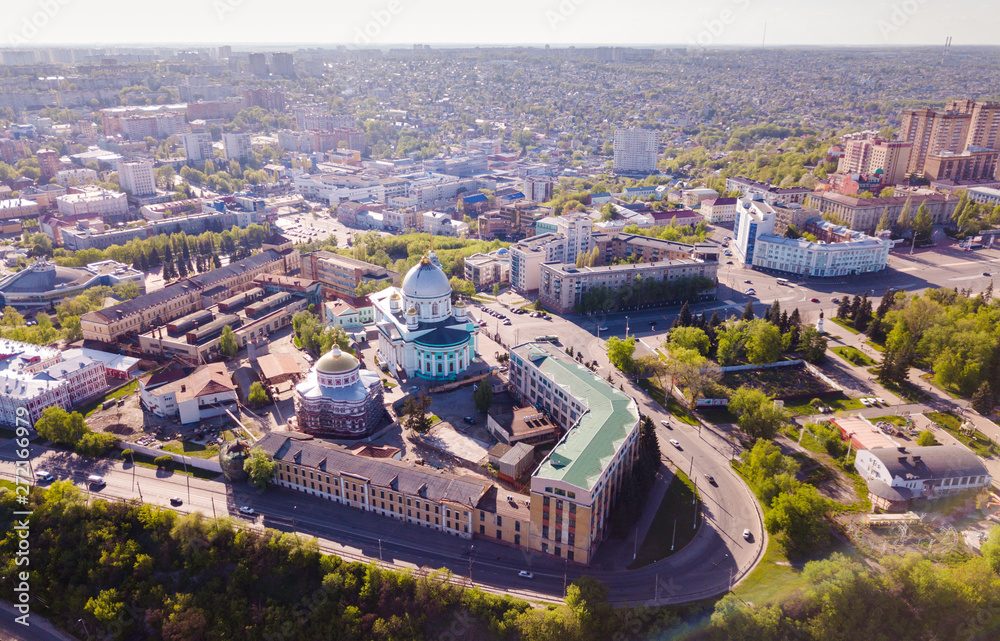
(434, 309)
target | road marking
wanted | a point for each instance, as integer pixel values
(973, 277)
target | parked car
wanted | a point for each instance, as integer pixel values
(813, 300)
(43, 476)
(470, 420)
(864, 401)
(665, 423)
(750, 292)
(836, 301)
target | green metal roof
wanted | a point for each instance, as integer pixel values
(588, 447)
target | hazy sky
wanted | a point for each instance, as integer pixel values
(539, 22)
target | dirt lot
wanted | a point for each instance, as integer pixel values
(779, 382)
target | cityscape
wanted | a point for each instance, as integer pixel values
(549, 340)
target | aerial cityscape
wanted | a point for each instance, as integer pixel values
(536, 335)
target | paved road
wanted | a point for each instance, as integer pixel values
(39, 629)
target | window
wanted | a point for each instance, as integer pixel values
(482, 516)
(500, 535)
(545, 531)
(569, 555)
(482, 530)
(517, 526)
(517, 539)
(499, 520)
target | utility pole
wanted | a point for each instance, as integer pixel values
(674, 537)
(695, 525)
(565, 573)
(380, 550)
(187, 477)
(213, 508)
(471, 548)
(140, 491)
(656, 586)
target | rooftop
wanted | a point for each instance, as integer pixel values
(931, 462)
(579, 458)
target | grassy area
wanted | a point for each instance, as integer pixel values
(930, 381)
(907, 391)
(846, 324)
(676, 509)
(121, 392)
(952, 424)
(853, 356)
(193, 449)
(839, 403)
(652, 387)
(898, 421)
(717, 415)
(875, 346)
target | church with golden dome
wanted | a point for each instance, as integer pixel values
(338, 399)
(420, 332)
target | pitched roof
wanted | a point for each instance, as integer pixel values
(931, 462)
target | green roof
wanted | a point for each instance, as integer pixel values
(589, 446)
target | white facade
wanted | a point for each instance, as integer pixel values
(98, 202)
(577, 229)
(439, 224)
(236, 146)
(719, 210)
(635, 150)
(420, 332)
(527, 256)
(197, 147)
(927, 472)
(137, 178)
(756, 244)
(73, 177)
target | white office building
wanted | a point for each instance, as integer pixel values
(635, 150)
(756, 244)
(137, 178)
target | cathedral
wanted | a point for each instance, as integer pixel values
(420, 332)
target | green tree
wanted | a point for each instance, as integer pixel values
(107, 607)
(797, 520)
(984, 400)
(72, 328)
(126, 290)
(415, 412)
(905, 220)
(496, 289)
(61, 427)
(587, 598)
(764, 343)
(690, 338)
(923, 222)
(227, 343)
(257, 396)
(926, 438)
(758, 416)
(813, 345)
(483, 396)
(95, 444)
(620, 353)
(260, 468)
(748, 313)
(884, 223)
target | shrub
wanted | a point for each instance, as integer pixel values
(95, 444)
(164, 461)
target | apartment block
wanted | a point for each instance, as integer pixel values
(236, 146)
(339, 276)
(868, 155)
(197, 147)
(137, 178)
(635, 151)
(768, 193)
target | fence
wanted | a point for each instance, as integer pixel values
(200, 463)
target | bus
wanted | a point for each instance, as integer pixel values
(551, 338)
(782, 281)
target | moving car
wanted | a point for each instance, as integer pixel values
(987, 274)
(665, 423)
(94, 479)
(746, 534)
(524, 574)
(710, 478)
(748, 281)
(43, 476)
(175, 500)
(603, 328)
(675, 443)
(750, 291)
(246, 510)
(835, 301)
(813, 300)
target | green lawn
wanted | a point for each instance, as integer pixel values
(680, 412)
(839, 403)
(121, 392)
(875, 346)
(193, 449)
(930, 380)
(142, 460)
(951, 424)
(853, 356)
(846, 324)
(899, 421)
(717, 415)
(676, 507)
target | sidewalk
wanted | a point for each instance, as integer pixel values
(619, 554)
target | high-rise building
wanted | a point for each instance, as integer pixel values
(258, 64)
(869, 154)
(197, 147)
(962, 124)
(635, 150)
(48, 162)
(577, 229)
(236, 146)
(270, 99)
(282, 64)
(137, 178)
(225, 52)
(537, 188)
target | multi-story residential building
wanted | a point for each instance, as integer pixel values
(197, 147)
(769, 193)
(631, 248)
(270, 99)
(635, 151)
(719, 210)
(283, 64)
(577, 230)
(144, 312)
(48, 163)
(224, 109)
(137, 178)
(757, 243)
(74, 177)
(961, 125)
(339, 276)
(863, 214)
(869, 153)
(44, 195)
(574, 489)
(18, 208)
(975, 163)
(307, 118)
(94, 201)
(856, 184)
(537, 188)
(561, 287)
(258, 64)
(486, 270)
(236, 146)
(485, 146)
(136, 123)
(461, 166)
(527, 256)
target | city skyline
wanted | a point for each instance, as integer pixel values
(383, 23)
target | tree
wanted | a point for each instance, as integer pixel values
(883, 222)
(415, 412)
(984, 400)
(620, 353)
(61, 427)
(587, 598)
(72, 328)
(797, 520)
(758, 416)
(924, 222)
(926, 438)
(227, 343)
(764, 344)
(483, 396)
(748, 313)
(260, 468)
(813, 345)
(95, 444)
(690, 338)
(685, 318)
(257, 396)
(905, 220)
(496, 289)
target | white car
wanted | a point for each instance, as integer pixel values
(750, 292)
(864, 401)
(746, 534)
(665, 423)
(881, 400)
(602, 328)
(246, 510)
(524, 574)
(675, 443)
(44, 476)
